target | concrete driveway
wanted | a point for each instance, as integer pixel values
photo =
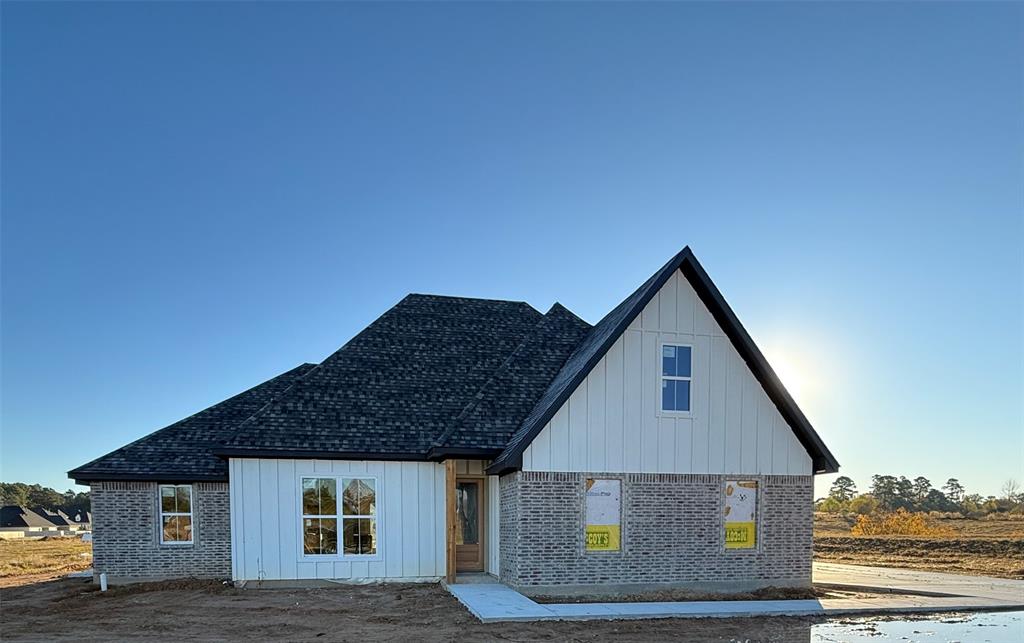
(917, 582)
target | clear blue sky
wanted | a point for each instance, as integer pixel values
(197, 197)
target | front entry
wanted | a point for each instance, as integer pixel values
(469, 525)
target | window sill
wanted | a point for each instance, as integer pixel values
(339, 558)
(682, 415)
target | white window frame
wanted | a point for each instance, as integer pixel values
(190, 513)
(340, 517)
(662, 377)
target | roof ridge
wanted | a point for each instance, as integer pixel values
(479, 396)
(487, 299)
(316, 368)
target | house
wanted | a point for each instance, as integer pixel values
(654, 449)
(24, 519)
(58, 517)
(81, 519)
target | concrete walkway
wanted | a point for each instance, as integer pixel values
(494, 602)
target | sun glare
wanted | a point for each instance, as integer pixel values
(791, 374)
(803, 374)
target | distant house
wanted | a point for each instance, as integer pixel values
(57, 517)
(654, 449)
(81, 519)
(15, 517)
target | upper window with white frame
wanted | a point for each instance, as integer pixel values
(676, 374)
(321, 513)
(176, 514)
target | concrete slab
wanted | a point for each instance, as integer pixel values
(494, 602)
(913, 581)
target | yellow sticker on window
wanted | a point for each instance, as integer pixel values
(740, 514)
(603, 538)
(604, 499)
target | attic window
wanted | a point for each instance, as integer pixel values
(676, 370)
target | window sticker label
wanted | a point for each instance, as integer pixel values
(604, 499)
(740, 514)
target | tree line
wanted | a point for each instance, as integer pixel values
(891, 493)
(34, 495)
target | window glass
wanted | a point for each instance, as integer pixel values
(320, 535)
(676, 369)
(360, 536)
(675, 361)
(167, 499)
(360, 498)
(319, 496)
(320, 516)
(177, 529)
(175, 513)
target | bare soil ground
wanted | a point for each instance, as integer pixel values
(194, 610)
(981, 547)
(26, 561)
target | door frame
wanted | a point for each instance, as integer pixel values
(481, 518)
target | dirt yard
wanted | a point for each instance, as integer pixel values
(982, 547)
(27, 561)
(192, 610)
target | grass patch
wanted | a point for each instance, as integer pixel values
(50, 555)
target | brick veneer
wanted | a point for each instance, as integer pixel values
(672, 533)
(126, 540)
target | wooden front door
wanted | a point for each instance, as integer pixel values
(469, 525)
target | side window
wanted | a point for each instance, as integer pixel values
(175, 514)
(676, 370)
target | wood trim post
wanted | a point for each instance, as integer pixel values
(449, 486)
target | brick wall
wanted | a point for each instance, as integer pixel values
(672, 532)
(126, 539)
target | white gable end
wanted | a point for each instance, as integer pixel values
(613, 422)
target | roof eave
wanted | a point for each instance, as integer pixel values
(86, 478)
(297, 454)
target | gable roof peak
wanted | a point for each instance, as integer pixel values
(610, 328)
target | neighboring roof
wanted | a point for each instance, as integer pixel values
(603, 335)
(182, 451)
(397, 386)
(15, 516)
(58, 517)
(82, 517)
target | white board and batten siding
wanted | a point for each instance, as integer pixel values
(613, 421)
(266, 521)
(266, 524)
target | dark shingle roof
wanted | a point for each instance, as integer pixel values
(15, 516)
(497, 409)
(58, 517)
(395, 388)
(182, 451)
(431, 377)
